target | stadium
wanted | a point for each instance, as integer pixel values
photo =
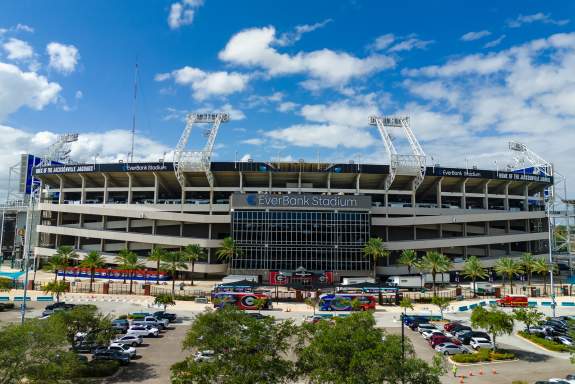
(293, 220)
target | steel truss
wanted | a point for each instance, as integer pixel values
(186, 161)
(413, 164)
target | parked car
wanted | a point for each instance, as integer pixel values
(61, 305)
(257, 316)
(132, 340)
(112, 355)
(513, 301)
(439, 339)
(447, 327)
(203, 356)
(313, 319)
(450, 349)
(85, 347)
(144, 331)
(426, 327)
(171, 317)
(432, 332)
(457, 328)
(123, 348)
(151, 320)
(540, 330)
(480, 342)
(120, 325)
(565, 340)
(466, 337)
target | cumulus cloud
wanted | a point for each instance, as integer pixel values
(205, 84)
(471, 36)
(323, 135)
(24, 28)
(183, 12)
(383, 41)
(536, 17)
(18, 49)
(287, 106)
(494, 43)
(63, 58)
(255, 48)
(19, 89)
(254, 141)
(410, 43)
(290, 38)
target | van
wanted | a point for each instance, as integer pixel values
(513, 301)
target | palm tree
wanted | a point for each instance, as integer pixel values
(128, 261)
(157, 255)
(374, 249)
(228, 250)
(507, 267)
(528, 263)
(193, 253)
(57, 263)
(435, 263)
(64, 254)
(172, 262)
(55, 288)
(92, 260)
(542, 267)
(409, 259)
(474, 270)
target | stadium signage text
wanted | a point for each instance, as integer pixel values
(240, 200)
(120, 167)
(475, 173)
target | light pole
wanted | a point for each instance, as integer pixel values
(550, 239)
(27, 248)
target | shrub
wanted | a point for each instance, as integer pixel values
(6, 284)
(184, 298)
(482, 355)
(98, 368)
(519, 382)
(547, 344)
(123, 317)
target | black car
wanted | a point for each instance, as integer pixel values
(257, 316)
(458, 328)
(85, 347)
(171, 317)
(61, 304)
(466, 337)
(112, 355)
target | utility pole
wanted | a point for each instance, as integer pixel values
(27, 250)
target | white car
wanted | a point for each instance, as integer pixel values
(123, 348)
(144, 331)
(432, 332)
(426, 327)
(132, 340)
(203, 356)
(480, 342)
(561, 381)
(450, 348)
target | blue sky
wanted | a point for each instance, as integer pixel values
(298, 77)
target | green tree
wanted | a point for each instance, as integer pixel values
(311, 302)
(528, 263)
(542, 267)
(246, 350)
(409, 259)
(351, 351)
(435, 262)
(507, 267)
(86, 319)
(473, 269)
(529, 316)
(355, 304)
(157, 255)
(374, 249)
(35, 353)
(260, 303)
(441, 302)
(193, 253)
(494, 321)
(228, 250)
(172, 262)
(406, 304)
(129, 262)
(55, 288)
(92, 260)
(65, 253)
(165, 300)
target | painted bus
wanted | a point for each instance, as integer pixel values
(242, 300)
(114, 274)
(343, 302)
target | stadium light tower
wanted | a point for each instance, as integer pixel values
(59, 152)
(403, 164)
(197, 160)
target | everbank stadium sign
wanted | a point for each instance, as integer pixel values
(240, 200)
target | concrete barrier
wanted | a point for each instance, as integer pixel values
(44, 298)
(568, 304)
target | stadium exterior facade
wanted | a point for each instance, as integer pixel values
(292, 218)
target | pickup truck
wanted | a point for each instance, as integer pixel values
(171, 317)
(154, 322)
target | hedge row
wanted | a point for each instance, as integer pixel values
(547, 344)
(97, 368)
(482, 355)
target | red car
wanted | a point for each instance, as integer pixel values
(438, 339)
(448, 326)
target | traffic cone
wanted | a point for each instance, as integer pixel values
(470, 373)
(462, 380)
(494, 371)
(481, 371)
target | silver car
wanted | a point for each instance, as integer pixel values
(450, 348)
(132, 340)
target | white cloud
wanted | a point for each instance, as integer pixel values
(19, 89)
(345, 113)
(495, 42)
(78, 95)
(383, 41)
(246, 157)
(63, 58)
(205, 84)
(471, 36)
(290, 38)
(287, 106)
(183, 12)
(323, 135)
(536, 17)
(255, 48)
(254, 141)
(412, 42)
(24, 28)
(471, 64)
(18, 49)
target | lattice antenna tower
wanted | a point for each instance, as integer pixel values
(413, 164)
(187, 161)
(59, 152)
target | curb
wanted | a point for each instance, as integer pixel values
(481, 363)
(537, 345)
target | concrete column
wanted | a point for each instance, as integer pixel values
(506, 201)
(329, 182)
(129, 188)
(241, 182)
(440, 228)
(106, 195)
(463, 190)
(357, 183)
(102, 241)
(413, 200)
(438, 192)
(61, 190)
(270, 181)
(156, 188)
(209, 237)
(83, 192)
(486, 195)
(526, 197)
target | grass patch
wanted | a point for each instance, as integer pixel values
(481, 356)
(542, 342)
